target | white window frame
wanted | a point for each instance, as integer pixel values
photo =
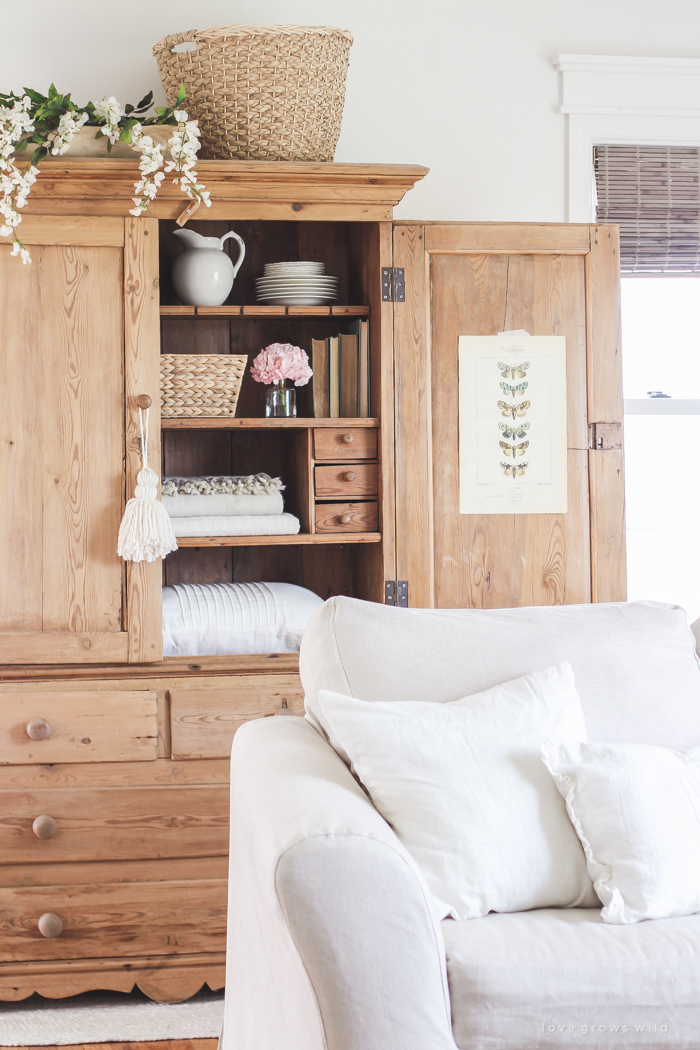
(616, 101)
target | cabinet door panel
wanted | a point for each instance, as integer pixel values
(539, 279)
(63, 371)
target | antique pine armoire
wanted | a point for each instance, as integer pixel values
(113, 760)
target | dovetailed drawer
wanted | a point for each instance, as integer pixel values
(45, 726)
(346, 479)
(203, 721)
(99, 824)
(89, 920)
(347, 517)
(355, 443)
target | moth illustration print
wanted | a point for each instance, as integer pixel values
(513, 410)
(515, 432)
(513, 371)
(513, 391)
(514, 469)
(514, 450)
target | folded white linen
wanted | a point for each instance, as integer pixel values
(220, 619)
(237, 525)
(229, 484)
(186, 506)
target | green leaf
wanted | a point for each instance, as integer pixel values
(181, 96)
(34, 96)
(145, 101)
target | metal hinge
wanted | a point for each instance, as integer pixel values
(393, 290)
(396, 593)
(605, 436)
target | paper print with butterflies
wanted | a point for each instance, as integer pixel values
(512, 424)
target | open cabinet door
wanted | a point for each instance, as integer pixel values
(480, 279)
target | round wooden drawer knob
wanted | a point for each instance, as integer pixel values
(44, 827)
(348, 439)
(50, 925)
(345, 519)
(38, 729)
(349, 475)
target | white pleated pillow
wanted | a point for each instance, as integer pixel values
(463, 785)
(636, 809)
(223, 619)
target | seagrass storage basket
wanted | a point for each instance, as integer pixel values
(200, 385)
(261, 92)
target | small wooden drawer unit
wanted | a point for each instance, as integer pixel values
(80, 921)
(203, 721)
(100, 824)
(353, 443)
(48, 726)
(347, 517)
(343, 479)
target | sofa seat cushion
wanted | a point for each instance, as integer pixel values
(634, 664)
(515, 977)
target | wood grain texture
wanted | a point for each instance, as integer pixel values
(162, 918)
(355, 479)
(85, 726)
(164, 978)
(161, 773)
(162, 1044)
(413, 421)
(333, 444)
(508, 560)
(260, 423)
(301, 539)
(142, 376)
(102, 824)
(98, 872)
(346, 518)
(204, 721)
(507, 238)
(190, 666)
(68, 647)
(77, 231)
(608, 547)
(604, 348)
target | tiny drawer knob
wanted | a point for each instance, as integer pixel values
(349, 475)
(44, 827)
(345, 519)
(144, 401)
(348, 439)
(38, 729)
(50, 925)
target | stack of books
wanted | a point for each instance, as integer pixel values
(341, 374)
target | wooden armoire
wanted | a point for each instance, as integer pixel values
(113, 760)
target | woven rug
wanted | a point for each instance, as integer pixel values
(109, 1017)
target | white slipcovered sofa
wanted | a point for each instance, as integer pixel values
(332, 945)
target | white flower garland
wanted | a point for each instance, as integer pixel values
(15, 184)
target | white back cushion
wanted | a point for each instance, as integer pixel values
(634, 664)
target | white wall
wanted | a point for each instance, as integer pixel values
(465, 87)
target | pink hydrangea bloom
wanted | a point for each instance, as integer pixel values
(280, 361)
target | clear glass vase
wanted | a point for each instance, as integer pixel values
(280, 399)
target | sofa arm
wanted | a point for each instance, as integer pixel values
(331, 940)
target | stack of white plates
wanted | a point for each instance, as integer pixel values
(296, 284)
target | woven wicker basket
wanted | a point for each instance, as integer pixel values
(261, 92)
(200, 385)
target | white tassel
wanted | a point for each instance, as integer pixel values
(146, 532)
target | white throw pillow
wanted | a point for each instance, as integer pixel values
(464, 788)
(636, 810)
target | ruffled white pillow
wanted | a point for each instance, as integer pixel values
(463, 786)
(636, 810)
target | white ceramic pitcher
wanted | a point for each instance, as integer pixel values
(203, 274)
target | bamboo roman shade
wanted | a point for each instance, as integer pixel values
(653, 193)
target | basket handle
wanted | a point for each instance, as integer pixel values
(169, 42)
(241, 253)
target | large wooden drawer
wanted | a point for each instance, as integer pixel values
(355, 443)
(83, 824)
(46, 726)
(203, 721)
(115, 919)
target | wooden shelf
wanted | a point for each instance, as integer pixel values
(264, 311)
(264, 423)
(302, 538)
